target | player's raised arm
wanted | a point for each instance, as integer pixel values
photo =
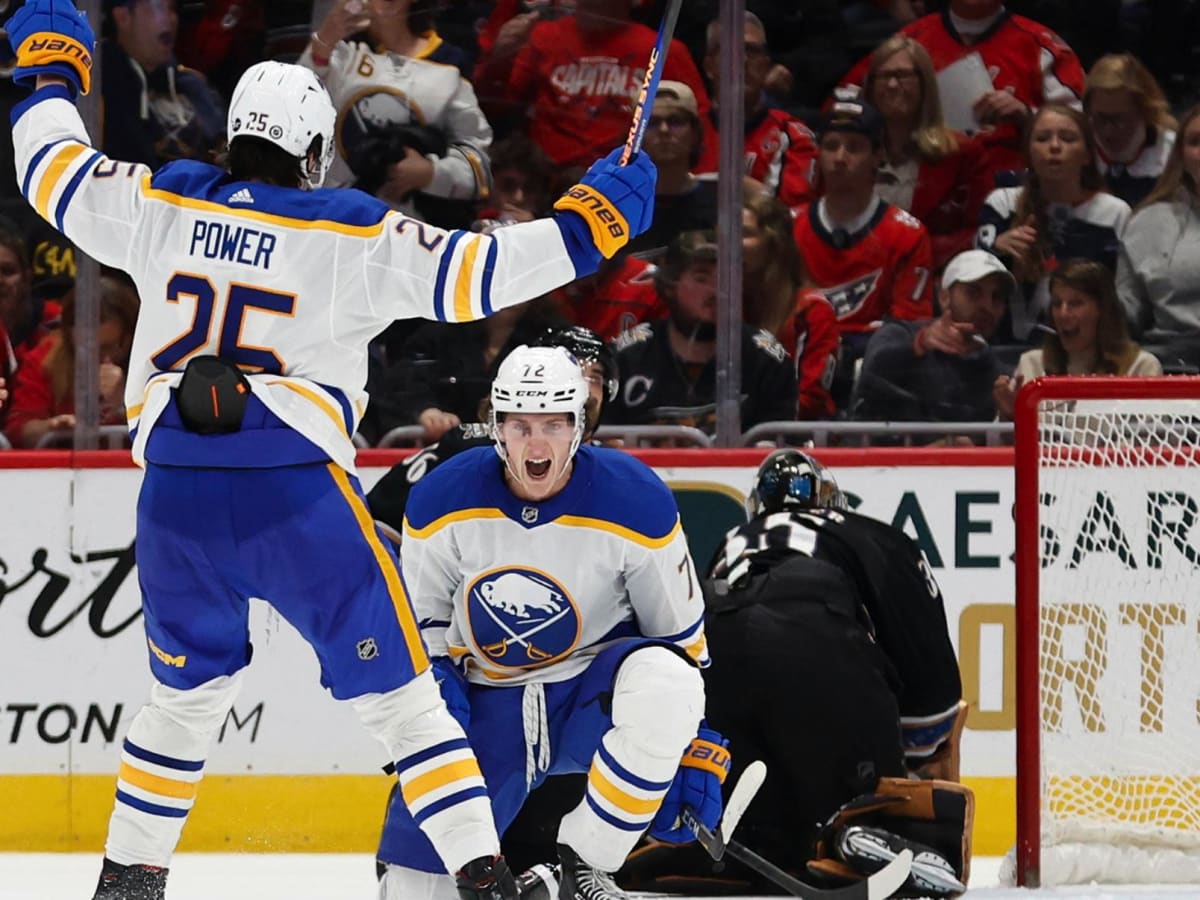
(470, 276)
(62, 176)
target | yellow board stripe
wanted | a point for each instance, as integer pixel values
(154, 193)
(635, 806)
(459, 516)
(316, 399)
(156, 784)
(437, 778)
(404, 612)
(462, 284)
(621, 531)
(54, 173)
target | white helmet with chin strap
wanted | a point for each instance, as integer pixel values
(539, 380)
(287, 106)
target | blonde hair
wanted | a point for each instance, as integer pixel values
(1175, 178)
(1125, 72)
(770, 293)
(931, 139)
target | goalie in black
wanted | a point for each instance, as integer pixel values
(836, 669)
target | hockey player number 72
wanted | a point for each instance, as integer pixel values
(239, 299)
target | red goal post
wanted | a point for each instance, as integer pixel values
(1108, 630)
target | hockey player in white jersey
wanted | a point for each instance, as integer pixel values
(555, 591)
(245, 386)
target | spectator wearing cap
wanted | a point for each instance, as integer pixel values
(155, 110)
(941, 370)
(674, 136)
(1027, 66)
(780, 150)
(870, 260)
(668, 368)
(577, 77)
(934, 172)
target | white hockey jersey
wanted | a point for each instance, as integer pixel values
(372, 91)
(290, 284)
(522, 591)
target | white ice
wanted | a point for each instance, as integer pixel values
(332, 876)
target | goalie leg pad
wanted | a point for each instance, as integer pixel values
(932, 818)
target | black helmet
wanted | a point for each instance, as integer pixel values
(791, 479)
(587, 346)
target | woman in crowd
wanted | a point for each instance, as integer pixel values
(409, 127)
(1089, 335)
(1133, 125)
(1158, 272)
(1061, 212)
(22, 317)
(777, 298)
(931, 171)
(43, 393)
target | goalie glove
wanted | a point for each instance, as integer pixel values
(931, 818)
(52, 37)
(611, 205)
(697, 784)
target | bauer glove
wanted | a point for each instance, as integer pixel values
(52, 37)
(697, 784)
(611, 205)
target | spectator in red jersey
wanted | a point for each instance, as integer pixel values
(780, 150)
(777, 298)
(934, 172)
(43, 394)
(682, 202)
(1062, 212)
(620, 295)
(869, 259)
(941, 370)
(1133, 125)
(22, 315)
(1027, 64)
(577, 78)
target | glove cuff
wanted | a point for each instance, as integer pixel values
(610, 230)
(47, 52)
(710, 757)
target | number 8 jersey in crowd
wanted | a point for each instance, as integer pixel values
(267, 277)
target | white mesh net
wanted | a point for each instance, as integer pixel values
(1119, 623)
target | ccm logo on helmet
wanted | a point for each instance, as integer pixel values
(599, 206)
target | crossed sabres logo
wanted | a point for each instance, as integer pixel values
(521, 618)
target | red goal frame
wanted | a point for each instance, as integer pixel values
(1028, 738)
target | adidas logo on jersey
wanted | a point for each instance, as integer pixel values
(242, 196)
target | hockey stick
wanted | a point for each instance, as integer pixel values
(739, 798)
(645, 97)
(879, 886)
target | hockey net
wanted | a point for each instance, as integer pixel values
(1108, 631)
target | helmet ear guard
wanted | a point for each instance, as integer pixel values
(286, 105)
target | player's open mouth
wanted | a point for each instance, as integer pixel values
(537, 468)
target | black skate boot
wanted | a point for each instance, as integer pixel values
(581, 882)
(135, 882)
(538, 883)
(486, 878)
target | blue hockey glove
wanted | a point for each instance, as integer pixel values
(52, 37)
(697, 784)
(453, 685)
(611, 205)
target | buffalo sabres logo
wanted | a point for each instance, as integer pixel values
(521, 618)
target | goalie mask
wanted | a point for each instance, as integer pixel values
(287, 106)
(791, 479)
(538, 381)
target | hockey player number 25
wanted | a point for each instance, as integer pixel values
(239, 299)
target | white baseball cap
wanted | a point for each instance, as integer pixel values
(975, 265)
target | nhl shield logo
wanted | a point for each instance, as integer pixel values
(529, 514)
(367, 649)
(521, 618)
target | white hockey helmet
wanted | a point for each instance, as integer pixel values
(540, 380)
(288, 106)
